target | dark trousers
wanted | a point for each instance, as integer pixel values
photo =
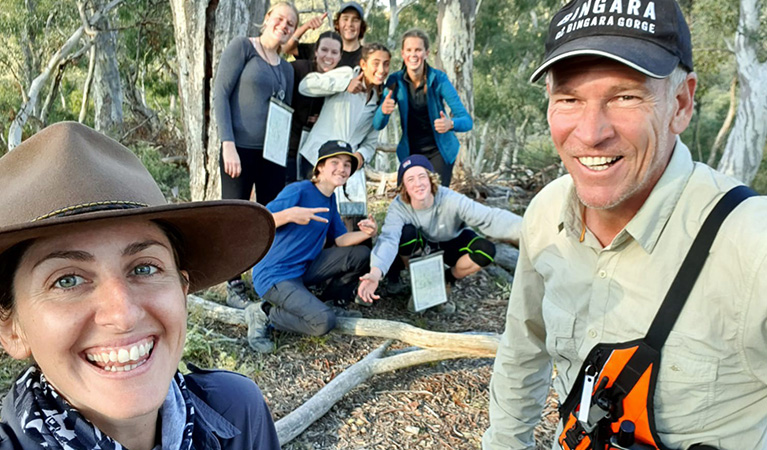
(268, 177)
(479, 249)
(296, 309)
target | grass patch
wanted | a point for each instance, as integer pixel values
(9, 369)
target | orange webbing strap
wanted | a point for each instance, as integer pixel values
(627, 372)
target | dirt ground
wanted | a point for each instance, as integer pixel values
(437, 406)
(442, 405)
(433, 406)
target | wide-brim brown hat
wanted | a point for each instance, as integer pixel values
(69, 174)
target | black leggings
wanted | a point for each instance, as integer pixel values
(268, 177)
(479, 249)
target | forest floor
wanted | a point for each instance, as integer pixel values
(436, 406)
(440, 405)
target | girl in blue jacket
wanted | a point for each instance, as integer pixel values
(421, 92)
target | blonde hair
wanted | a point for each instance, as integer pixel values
(275, 6)
(434, 179)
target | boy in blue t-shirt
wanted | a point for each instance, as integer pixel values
(306, 218)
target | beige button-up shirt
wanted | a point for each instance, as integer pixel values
(569, 295)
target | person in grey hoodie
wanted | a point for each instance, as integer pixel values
(427, 216)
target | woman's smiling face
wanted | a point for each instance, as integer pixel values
(280, 23)
(102, 310)
(328, 54)
(376, 67)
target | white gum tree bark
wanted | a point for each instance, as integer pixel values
(745, 144)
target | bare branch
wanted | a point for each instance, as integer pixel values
(84, 18)
(87, 85)
(302, 417)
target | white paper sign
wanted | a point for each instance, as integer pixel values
(357, 202)
(427, 279)
(277, 132)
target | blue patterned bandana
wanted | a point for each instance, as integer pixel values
(50, 421)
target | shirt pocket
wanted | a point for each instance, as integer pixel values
(560, 340)
(684, 391)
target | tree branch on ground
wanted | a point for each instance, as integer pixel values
(375, 363)
(476, 345)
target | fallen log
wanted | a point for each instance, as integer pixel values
(506, 256)
(475, 345)
(216, 311)
(374, 175)
(438, 346)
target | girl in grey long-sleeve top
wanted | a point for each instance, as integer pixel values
(427, 215)
(250, 73)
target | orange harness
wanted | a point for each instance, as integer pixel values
(611, 403)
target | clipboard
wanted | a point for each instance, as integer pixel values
(277, 133)
(427, 280)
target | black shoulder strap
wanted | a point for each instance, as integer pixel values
(691, 266)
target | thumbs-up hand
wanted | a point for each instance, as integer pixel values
(443, 124)
(356, 86)
(316, 21)
(388, 105)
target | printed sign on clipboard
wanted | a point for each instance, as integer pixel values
(427, 279)
(355, 201)
(277, 132)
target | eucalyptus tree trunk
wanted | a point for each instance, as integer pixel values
(455, 22)
(745, 145)
(107, 88)
(394, 12)
(202, 29)
(33, 94)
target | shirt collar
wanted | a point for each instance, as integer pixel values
(648, 223)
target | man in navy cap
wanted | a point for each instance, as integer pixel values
(600, 246)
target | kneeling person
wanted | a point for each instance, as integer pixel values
(425, 215)
(306, 216)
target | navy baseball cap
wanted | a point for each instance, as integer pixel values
(410, 162)
(650, 36)
(355, 6)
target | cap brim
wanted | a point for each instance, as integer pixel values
(220, 239)
(642, 56)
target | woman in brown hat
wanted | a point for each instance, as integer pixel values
(94, 272)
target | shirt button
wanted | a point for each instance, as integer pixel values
(592, 333)
(602, 274)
